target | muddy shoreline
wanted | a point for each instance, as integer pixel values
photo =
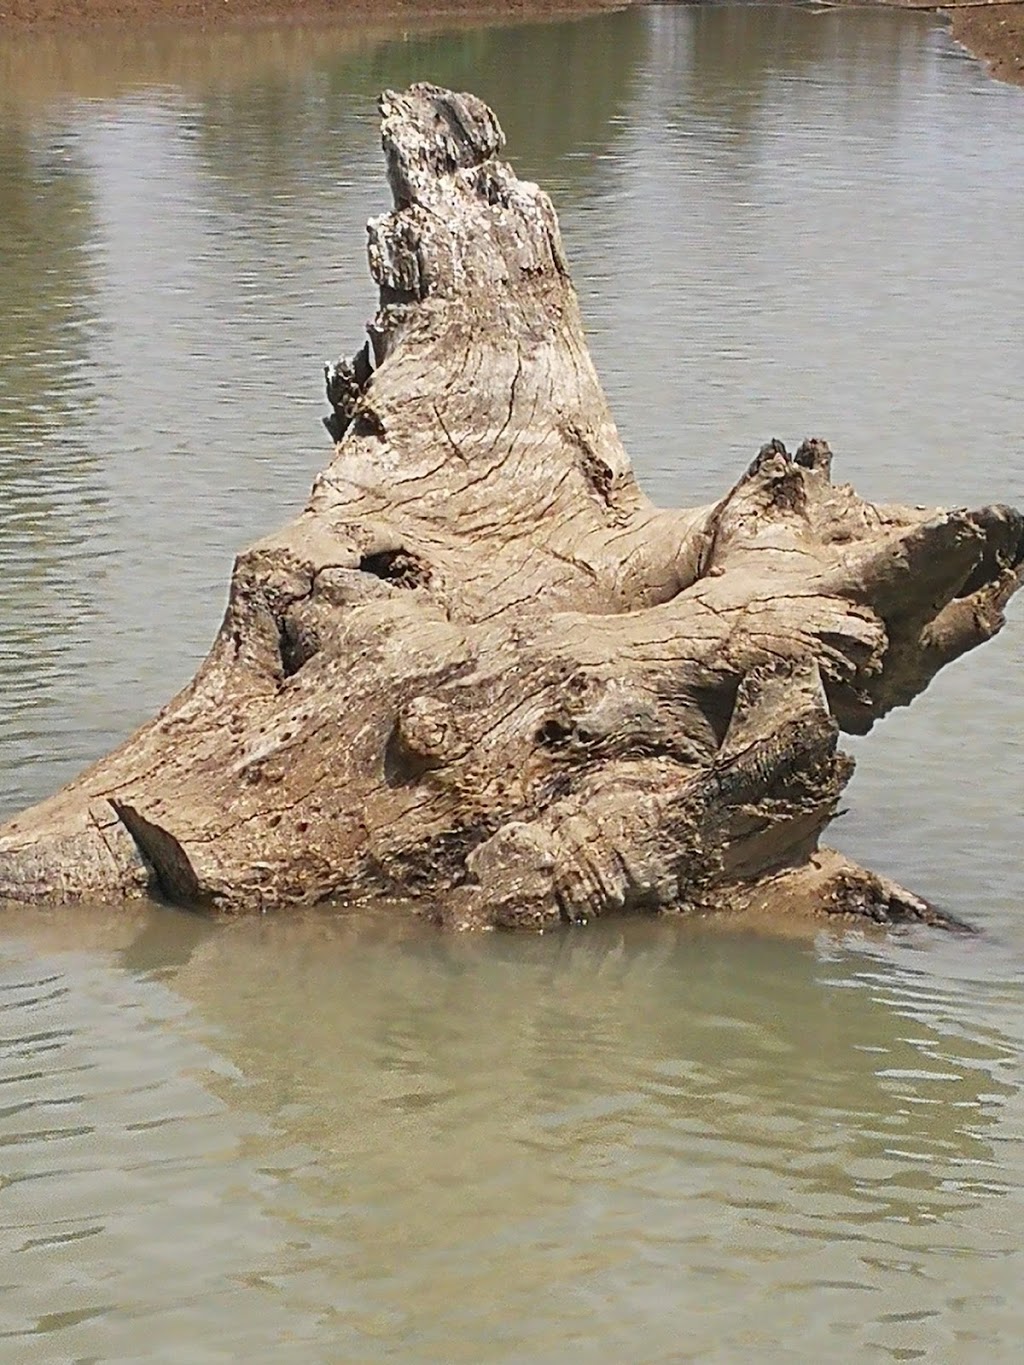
(993, 31)
(995, 34)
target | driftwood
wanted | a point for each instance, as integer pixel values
(481, 670)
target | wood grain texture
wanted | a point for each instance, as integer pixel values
(481, 670)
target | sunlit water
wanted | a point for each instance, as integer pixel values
(339, 1138)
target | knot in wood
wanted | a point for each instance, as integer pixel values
(424, 730)
(518, 852)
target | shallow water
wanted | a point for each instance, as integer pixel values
(339, 1138)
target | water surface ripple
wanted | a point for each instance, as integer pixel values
(344, 1137)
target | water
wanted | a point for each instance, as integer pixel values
(346, 1138)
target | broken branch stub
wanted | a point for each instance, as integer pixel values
(482, 670)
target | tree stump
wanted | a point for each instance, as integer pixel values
(482, 671)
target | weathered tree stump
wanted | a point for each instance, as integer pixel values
(482, 670)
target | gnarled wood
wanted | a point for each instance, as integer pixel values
(482, 669)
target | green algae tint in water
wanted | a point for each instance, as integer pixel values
(346, 1138)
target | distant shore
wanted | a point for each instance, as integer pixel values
(992, 29)
(47, 15)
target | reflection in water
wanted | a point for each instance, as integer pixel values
(126, 1188)
(53, 503)
(736, 65)
(287, 130)
(356, 1138)
(345, 1138)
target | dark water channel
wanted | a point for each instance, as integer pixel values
(344, 1139)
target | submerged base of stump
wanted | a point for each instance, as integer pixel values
(482, 670)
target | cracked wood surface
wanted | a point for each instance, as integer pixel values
(481, 670)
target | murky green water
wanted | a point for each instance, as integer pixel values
(344, 1139)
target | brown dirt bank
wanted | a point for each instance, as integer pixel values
(995, 33)
(50, 14)
(992, 29)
